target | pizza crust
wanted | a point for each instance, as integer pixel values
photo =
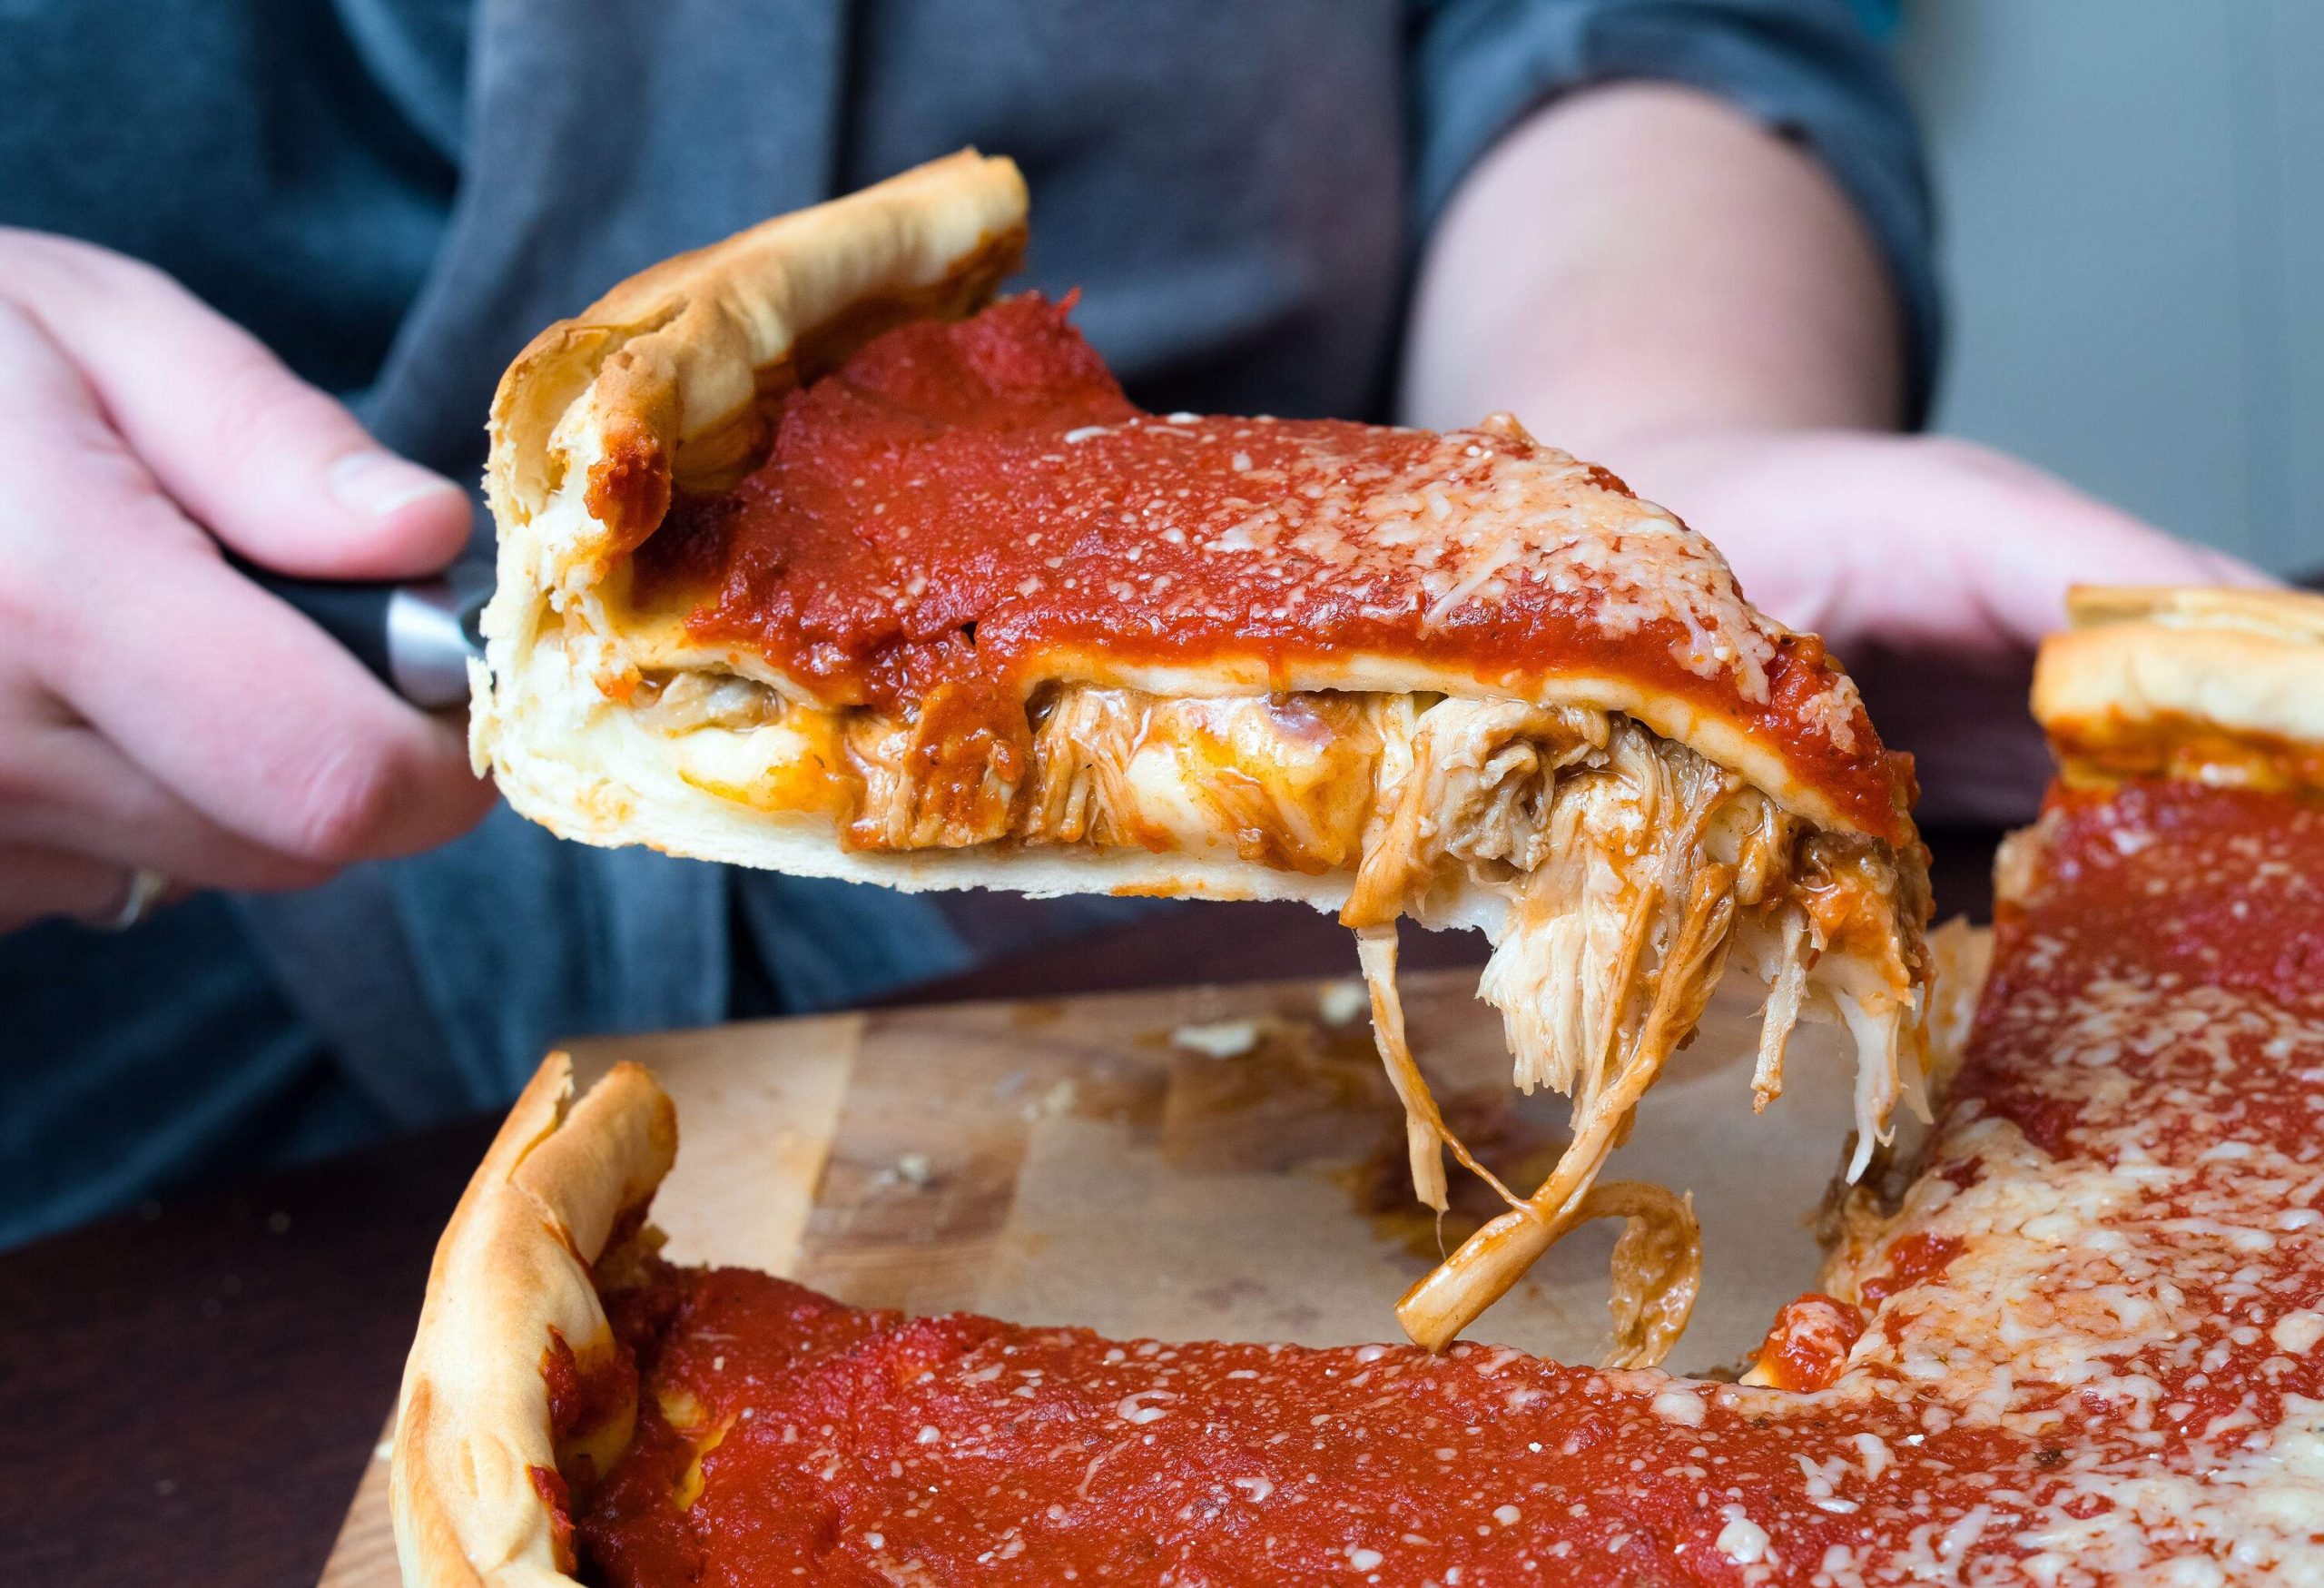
(2138, 660)
(661, 371)
(562, 1182)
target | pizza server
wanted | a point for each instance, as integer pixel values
(415, 637)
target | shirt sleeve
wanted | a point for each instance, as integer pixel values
(1807, 68)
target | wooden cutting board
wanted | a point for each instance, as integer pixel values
(1218, 1162)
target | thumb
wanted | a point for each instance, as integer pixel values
(276, 469)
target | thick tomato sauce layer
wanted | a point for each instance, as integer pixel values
(961, 507)
(867, 1447)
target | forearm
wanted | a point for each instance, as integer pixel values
(1640, 258)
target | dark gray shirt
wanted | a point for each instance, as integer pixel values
(396, 193)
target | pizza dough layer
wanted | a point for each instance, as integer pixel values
(2083, 1346)
(513, 1285)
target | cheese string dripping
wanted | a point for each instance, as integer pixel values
(1629, 866)
(1425, 1132)
(1658, 1268)
(1593, 972)
(1786, 991)
(1457, 1292)
(1658, 1263)
(1658, 1259)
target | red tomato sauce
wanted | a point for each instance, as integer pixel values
(1809, 1343)
(973, 507)
(579, 1400)
(867, 1446)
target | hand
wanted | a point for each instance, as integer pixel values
(158, 710)
(1932, 567)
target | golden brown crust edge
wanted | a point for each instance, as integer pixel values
(2221, 684)
(671, 362)
(561, 1179)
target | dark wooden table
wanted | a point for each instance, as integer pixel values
(189, 1393)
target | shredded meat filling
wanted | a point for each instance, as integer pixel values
(1284, 779)
(679, 702)
(1630, 868)
(945, 779)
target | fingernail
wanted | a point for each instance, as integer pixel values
(376, 483)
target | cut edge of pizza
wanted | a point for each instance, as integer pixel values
(1462, 677)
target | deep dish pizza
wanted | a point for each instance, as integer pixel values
(814, 557)
(2085, 1345)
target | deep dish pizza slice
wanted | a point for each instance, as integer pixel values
(2085, 1346)
(813, 558)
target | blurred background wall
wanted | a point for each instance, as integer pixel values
(2131, 194)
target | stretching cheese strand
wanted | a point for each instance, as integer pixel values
(1619, 924)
